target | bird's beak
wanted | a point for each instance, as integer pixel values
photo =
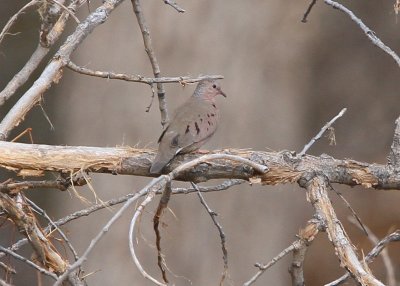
(222, 93)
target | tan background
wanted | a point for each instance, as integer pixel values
(284, 80)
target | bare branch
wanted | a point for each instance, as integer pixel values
(163, 204)
(69, 11)
(367, 31)
(138, 78)
(29, 227)
(153, 60)
(173, 4)
(104, 230)
(220, 230)
(14, 18)
(390, 272)
(394, 156)
(135, 217)
(312, 3)
(64, 237)
(321, 132)
(284, 167)
(374, 252)
(52, 73)
(28, 262)
(7, 269)
(41, 51)
(306, 236)
(318, 196)
(4, 283)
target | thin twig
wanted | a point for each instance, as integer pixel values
(312, 3)
(4, 283)
(138, 78)
(52, 72)
(14, 18)
(138, 212)
(353, 212)
(321, 132)
(105, 229)
(163, 204)
(153, 60)
(264, 267)
(220, 230)
(69, 11)
(86, 212)
(394, 155)
(174, 5)
(160, 183)
(41, 51)
(368, 32)
(44, 214)
(393, 237)
(27, 261)
(390, 272)
(7, 269)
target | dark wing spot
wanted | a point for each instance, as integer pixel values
(162, 134)
(187, 129)
(174, 142)
(201, 119)
(209, 123)
(197, 128)
(212, 114)
(208, 115)
(214, 105)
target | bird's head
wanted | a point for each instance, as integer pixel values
(208, 89)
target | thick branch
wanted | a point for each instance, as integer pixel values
(283, 166)
(317, 194)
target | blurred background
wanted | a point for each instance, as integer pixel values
(284, 80)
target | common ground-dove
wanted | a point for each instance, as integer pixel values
(192, 125)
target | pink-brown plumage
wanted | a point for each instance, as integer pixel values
(192, 125)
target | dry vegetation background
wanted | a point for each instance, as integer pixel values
(284, 79)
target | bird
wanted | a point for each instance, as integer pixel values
(192, 125)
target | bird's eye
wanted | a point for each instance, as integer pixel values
(214, 86)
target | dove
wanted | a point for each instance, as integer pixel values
(192, 125)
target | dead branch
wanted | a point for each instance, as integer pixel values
(310, 6)
(138, 78)
(220, 231)
(284, 167)
(321, 132)
(394, 155)
(390, 272)
(367, 31)
(298, 247)
(38, 55)
(317, 187)
(28, 262)
(174, 5)
(29, 227)
(153, 60)
(53, 71)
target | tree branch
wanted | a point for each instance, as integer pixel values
(52, 73)
(138, 78)
(317, 193)
(153, 60)
(283, 166)
(38, 55)
(367, 31)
